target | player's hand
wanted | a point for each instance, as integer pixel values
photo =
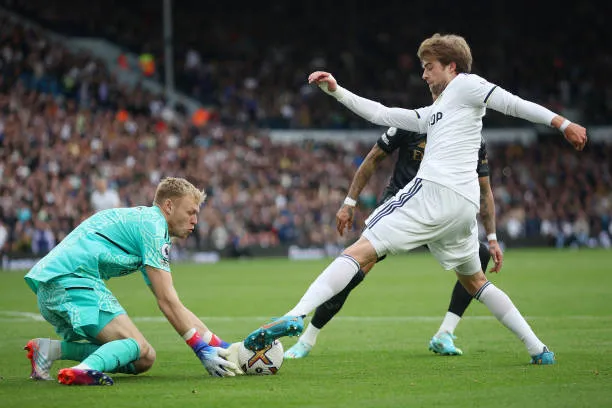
(497, 255)
(344, 218)
(232, 355)
(217, 366)
(325, 80)
(576, 135)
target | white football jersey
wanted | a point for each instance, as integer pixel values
(454, 126)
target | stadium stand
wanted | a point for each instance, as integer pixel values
(66, 122)
(252, 65)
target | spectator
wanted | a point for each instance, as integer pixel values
(219, 236)
(22, 242)
(43, 239)
(103, 197)
(581, 229)
(4, 235)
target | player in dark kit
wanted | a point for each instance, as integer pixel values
(411, 148)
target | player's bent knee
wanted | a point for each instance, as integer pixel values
(147, 358)
(362, 251)
(147, 352)
(472, 283)
(367, 267)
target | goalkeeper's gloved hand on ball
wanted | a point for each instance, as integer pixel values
(212, 358)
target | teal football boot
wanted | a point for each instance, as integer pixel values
(299, 350)
(266, 334)
(546, 357)
(443, 344)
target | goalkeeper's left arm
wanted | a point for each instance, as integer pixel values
(192, 329)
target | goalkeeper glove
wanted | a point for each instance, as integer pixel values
(211, 357)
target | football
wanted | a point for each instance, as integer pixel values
(263, 362)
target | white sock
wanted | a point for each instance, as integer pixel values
(449, 324)
(82, 367)
(310, 335)
(504, 310)
(331, 281)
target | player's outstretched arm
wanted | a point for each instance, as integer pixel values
(188, 325)
(370, 110)
(487, 216)
(510, 104)
(344, 216)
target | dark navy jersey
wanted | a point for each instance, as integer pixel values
(411, 147)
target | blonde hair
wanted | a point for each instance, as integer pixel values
(174, 187)
(446, 49)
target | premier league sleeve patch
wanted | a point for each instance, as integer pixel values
(165, 252)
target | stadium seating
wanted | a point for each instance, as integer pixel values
(65, 122)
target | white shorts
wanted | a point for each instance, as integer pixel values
(427, 213)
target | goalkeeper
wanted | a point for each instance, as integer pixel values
(96, 330)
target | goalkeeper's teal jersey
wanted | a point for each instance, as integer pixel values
(108, 244)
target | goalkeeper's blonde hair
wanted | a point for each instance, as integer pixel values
(174, 188)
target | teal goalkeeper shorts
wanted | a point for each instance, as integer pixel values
(78, 308)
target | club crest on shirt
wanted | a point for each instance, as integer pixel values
(165, 251)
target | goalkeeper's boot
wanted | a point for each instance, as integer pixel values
(299, 350)
(443, 344)
(546, 357)
(38, 353)
(266, 334)
(76, 376)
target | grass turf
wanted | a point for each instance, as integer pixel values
(374, 354)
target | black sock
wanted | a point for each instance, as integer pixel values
(329, 309)
(460, 299)
(485, 257)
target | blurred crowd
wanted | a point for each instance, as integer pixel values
(74, 141)
(550, 190)
(251, 63)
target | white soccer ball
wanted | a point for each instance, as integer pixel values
(263, 362)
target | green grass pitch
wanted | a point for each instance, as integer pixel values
(373, 355)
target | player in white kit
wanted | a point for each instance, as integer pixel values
(438, 208)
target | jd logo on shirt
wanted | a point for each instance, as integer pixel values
(435, 118)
